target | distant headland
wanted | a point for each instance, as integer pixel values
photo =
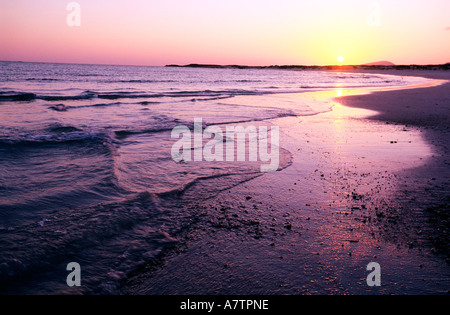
(381, 65)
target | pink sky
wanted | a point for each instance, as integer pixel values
(253, 32)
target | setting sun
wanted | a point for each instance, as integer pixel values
(341, 59)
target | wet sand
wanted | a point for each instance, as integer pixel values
(368, 183)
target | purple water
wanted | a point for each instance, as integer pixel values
(86, 172)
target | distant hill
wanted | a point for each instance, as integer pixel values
(380, 63)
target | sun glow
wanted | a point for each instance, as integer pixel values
(259, 34)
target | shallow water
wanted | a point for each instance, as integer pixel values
(86, 168)
(349, 198)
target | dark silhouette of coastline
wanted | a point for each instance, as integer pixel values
(328, 68)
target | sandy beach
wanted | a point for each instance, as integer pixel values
(202, 150)
(368, 183)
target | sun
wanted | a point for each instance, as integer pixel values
(340, 59)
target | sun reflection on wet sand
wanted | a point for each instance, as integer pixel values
(344, 171)
(313, 227)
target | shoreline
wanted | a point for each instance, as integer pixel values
(434, 175)
(313, 227)
(339, 68)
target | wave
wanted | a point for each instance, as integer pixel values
(195, 95)
(61, 135)
(112, 240)
(17, 96)
(25, 96)
(63, 129)
(140, 81)
(122, 134)
(88, 95)
(160, 124)
(238, 81)
(105, 81)
(45, 79)
(201, 93)
(64, 108)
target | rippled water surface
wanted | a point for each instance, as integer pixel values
(86, 172)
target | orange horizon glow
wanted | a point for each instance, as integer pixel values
(251, 32)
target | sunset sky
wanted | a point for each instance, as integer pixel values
(252, 32)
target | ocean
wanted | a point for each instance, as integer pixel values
(87, 173)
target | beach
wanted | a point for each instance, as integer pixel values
(368, 183)
(97, 171)
(219, 149)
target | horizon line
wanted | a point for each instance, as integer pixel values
(224, 65)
